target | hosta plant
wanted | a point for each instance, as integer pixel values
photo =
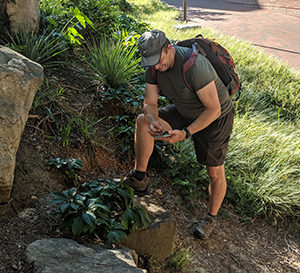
(70, 166)
(103, 208)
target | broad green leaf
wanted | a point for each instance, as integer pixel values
(66, 193)
(93, 184)
(116, 236)
(60, 196)
(126, 219)
(144, 216)
(89, 217)
(81, 20)
(73, 191)
(80, 197)
(77, 226)
(64, 207)
(99, 222)
(56, 201)
(105, 208)
(76, 11)
(74, 206)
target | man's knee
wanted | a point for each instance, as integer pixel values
(141, 122)
(216, 173)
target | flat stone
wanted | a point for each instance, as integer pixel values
(59, 255)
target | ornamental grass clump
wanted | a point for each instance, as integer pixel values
(113, 62)
(44, 48)
(263, 164)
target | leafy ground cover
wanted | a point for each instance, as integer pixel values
(85, 109)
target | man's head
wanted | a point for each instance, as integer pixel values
(153, 46)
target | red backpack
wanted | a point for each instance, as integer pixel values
(218, 57)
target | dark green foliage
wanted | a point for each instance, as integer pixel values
(123, 131)
(106, 16)
(103, 208)
(70, 166)
(128, 100)
(178, 162)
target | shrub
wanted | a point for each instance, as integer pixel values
(103, 208)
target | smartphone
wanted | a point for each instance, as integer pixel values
(163, 134)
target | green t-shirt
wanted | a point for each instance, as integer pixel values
(172, 85)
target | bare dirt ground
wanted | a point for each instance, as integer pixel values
(235, 246)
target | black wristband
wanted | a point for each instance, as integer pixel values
(187, 132)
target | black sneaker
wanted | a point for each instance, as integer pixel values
(139, 186)
(205, 227)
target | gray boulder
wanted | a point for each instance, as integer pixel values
(19, 81)
(57, 255)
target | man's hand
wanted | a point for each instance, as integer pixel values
(176, 135)
(155, 128)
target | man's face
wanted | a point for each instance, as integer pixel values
(164, 62)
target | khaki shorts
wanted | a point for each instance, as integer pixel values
(211, 143)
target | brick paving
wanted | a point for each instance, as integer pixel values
(275, 32)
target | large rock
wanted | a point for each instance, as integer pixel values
(23, 14)
(59, 255)
(19, 81)
(156, 241)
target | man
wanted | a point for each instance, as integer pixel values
(206, 114)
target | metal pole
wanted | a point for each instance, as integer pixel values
(184, 10)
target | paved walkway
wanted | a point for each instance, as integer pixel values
(277, 33)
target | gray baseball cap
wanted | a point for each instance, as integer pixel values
(150, 46)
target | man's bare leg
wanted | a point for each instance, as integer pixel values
(217, 188)
(144, 142)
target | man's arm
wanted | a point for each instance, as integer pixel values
(150, 108)
(208, 95)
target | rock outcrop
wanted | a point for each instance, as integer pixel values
(58, 255)
(157, 240)
(23, 14)
(19, 81)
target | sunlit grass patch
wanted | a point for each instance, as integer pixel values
(263, 164)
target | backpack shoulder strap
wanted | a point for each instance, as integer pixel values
(189, 59)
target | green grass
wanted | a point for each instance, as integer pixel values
(263, 163)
